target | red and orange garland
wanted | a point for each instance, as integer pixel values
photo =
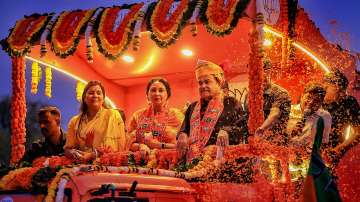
(53, 161)
(65, 34)
(113, 43)
(19, 179)
(160, 159)
(165, 28)
(18, 109)
(24, 34)
(220, 19)
(285, 39)
(256, 79)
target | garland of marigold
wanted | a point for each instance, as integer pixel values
(35, 77)
(292, 13)
(50, 197)
(48, 81)
(165, 30)
(256, 79)
(53, 161)
(18, 109)
(220, 19)
(79, 90)
(257, 147)
(65, 35)
(25, 33)
(18, 179)
(113, 43)
(285, 28)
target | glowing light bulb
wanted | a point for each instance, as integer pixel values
(267, 42)
(187, 52)
(128, 58)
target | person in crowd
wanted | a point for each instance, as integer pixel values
(214, 119)
(53, 139)
(96, 129)
(311, 131)
(155, 126)
(277, 105)
(345, 112)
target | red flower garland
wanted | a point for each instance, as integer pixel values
(113, 43)
(165, 159)
(221, 19)
(166, 29)
(25, 33)
(256, 79)
(18, 110)
(285, 39)
(66, 31)
(52, 161)
(18, 179)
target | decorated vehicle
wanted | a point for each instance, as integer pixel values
(124, 46)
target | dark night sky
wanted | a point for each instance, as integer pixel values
(345, 13)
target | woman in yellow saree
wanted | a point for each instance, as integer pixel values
(96, 129)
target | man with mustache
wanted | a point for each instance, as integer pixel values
(213, 120)
(53, 139)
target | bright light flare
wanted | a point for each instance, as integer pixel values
(187, 52)
(128, 58)
(267, 42)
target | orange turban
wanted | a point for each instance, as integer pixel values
(204, 67)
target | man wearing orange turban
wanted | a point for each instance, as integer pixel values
(213, 120)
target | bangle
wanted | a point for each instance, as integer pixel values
(162, 145)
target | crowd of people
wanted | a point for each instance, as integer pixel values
(324, 112)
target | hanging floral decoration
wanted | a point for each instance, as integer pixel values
(220, 17)
(18, 109)
(285, 44)
(79, 90)
(88, 36)
(65, 35)
(48, 81)
(36, 74)
(256, 80)
(167, 20)
(25, 33)
(114, 29)
(292, 13)
(138, 25)
(45, 35)
(194, 17)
